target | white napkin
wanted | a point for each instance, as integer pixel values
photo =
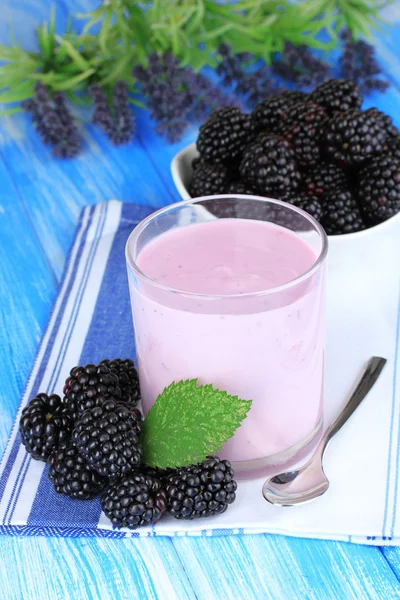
(91, 319)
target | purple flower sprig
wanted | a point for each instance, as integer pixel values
(254, 85)
(116, 120)
(124, 121)
(176, 95)
(358, 63)
(299, 66)
(54, 122)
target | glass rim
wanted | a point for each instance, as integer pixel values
(135, 233)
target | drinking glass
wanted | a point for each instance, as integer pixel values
(265, 346)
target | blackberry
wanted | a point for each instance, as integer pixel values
(45, 423)
(201, 490)
(222, 209)
(223, 136)
(386, 123)
(156, 472)
(196, 162)
(71, 475)
(128, 379)
(261, 211)
(337, 95)
(303, 126)
(108, 437)
(310, 204)
(323, 179)
(268, 114)
(379, 189)
(239, 187)
(268, 165)
(341, 214)
(208, 180)
(394, 147)
(134, 501)
(353, 137)
(89, 386)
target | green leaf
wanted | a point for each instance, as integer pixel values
(75, 56)
(118, 71)
(188, 422)
(17, 94)
(70, 84)
(136, 103)
(104, 32)
(93, 17)
(46, 37)
(10, 111)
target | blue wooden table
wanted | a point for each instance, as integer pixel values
(40, 201)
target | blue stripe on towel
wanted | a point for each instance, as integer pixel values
(35, 388)
(111, 331)
(78, 299)
(51, 509)
(46, 502)
(60, 315)
(42, 500)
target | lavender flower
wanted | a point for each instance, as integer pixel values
(205, 96)
(53, 122)
(124, 122)
(358, 63)
(299, 66)
(234, 70)
(176, 95)
(115, 120)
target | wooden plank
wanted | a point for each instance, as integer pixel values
(53, 191)
(27, 290)
(280, 568)
(53, 210)
(392, 555)
(86, 569)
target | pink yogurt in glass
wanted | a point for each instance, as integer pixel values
(226, 329)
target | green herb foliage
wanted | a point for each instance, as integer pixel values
(190, 29)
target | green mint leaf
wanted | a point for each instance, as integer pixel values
(188, 422)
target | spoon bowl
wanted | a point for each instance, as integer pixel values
(297, 487)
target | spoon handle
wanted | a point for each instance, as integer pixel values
(372, 371)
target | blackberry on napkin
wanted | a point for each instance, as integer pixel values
(45, 423)
(89, 386)
(108, 437)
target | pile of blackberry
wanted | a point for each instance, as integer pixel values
(318, 151)
(90, 440)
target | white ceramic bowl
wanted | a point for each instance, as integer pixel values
(362, 243)
(181, 169)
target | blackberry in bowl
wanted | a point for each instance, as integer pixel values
(319, 151)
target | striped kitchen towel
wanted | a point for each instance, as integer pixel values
(91, 320)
